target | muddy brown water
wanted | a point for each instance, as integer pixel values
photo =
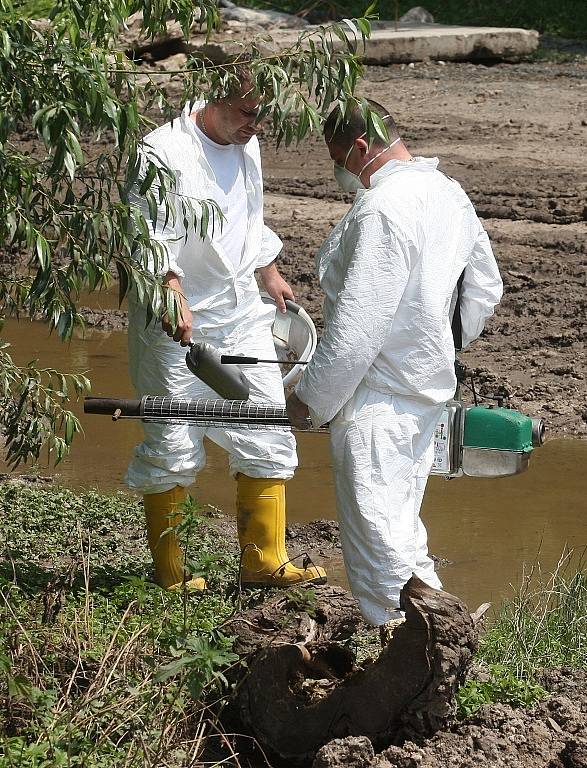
(488, 530)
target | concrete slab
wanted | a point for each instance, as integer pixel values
(447, 43)
(391, 45)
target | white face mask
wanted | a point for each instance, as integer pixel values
(349, 181)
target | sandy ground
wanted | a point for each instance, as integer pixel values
(514, 137)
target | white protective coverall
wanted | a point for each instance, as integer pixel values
(384, 366)
(228, 314)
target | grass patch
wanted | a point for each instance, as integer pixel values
(99, 667)
(499, 684)
(543, 626)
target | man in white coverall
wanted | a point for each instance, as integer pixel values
(384, 366)
(213, 150)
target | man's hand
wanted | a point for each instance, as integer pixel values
(276, 286)
(297, 412)
(183, 330)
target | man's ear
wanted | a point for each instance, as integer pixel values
(362, 145)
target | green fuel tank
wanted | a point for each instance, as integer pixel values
(497, 429)
(484, 441)
(497, 442)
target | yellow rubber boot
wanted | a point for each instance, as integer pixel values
(161, 513)
(261, 534)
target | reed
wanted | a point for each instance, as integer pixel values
(544, 624)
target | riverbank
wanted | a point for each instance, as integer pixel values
(99, 664)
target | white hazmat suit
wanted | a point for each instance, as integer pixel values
(385, 364)
(223, 296)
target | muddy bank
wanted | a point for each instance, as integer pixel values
(551, 735)
(42, 546)
(548, 735)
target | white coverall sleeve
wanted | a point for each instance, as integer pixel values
(271, 246)
(167, 229)
(377, 270)
(481, 290)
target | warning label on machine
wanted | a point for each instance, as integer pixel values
(441, 444)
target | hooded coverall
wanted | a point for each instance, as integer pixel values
(385, 364)
(228, 313)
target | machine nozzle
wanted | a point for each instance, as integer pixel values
(538, 432)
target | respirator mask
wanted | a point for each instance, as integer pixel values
(349, 181)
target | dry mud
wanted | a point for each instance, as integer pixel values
(513, 135)
(552, 735)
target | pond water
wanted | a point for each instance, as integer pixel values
(488, 530)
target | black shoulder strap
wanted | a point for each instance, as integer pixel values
(457, 327)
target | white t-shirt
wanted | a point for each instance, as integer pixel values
(227, 162)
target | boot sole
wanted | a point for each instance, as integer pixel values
(275, 584)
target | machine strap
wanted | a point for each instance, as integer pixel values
(457, 325)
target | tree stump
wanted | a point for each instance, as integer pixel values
(302, 689)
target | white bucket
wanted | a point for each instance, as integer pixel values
(294, 336)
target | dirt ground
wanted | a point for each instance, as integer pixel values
(552, 735)
(513, 135)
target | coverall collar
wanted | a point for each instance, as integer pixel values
(396, 166)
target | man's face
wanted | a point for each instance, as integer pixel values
(238, 119)
(352, 157)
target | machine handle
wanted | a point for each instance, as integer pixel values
(108, 406)
(243, 360)
(238, 360)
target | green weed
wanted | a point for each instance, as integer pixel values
(300, 599)
(502, 686)
(99, 667)
(543, 626)
(545, 623)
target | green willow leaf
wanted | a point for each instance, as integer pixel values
(70, 202)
